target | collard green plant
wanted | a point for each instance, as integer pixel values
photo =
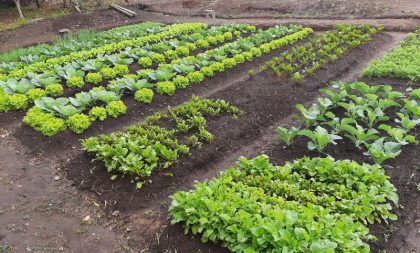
(320, 138)
(287, 135)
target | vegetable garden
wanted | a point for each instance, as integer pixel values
(159, 109)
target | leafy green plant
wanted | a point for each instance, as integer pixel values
(45, 123)
(75, 82)
(309, 116)
(320, 138)
(144, 95)
(195, 77)
(97, 113)
(145, 62)
(157, 58)
(94, 78)
(108, 73)
(407, 123)
(181, 81)
(287, 135)
(121, 70)
(358, 134)
(18, 101)
(54, 90)
(382, 150)
(35, 94)
(257, 207)
(78, 123)
(116, 108)
(166, 87)
(297, 77)
(160, 146)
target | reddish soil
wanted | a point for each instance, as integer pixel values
(290, 8)
(50, 185)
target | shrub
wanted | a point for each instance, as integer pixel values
(195, 77)
(35, 94)
(181, 81)
(94, 78)
(75, 82)
(145, 62)
(116, 108)
(108, 73)
(18, 101)
(78, 123)
(54, 90)
(166, 87)
(121, 69)
(144, 95)
(97, 113)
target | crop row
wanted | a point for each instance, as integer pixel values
(54, 65)
(375, 118)
(308, 205)
(180, 73)
(325, 47)
(84, 40)
(159, 141)
(402, 62)
(94, 71)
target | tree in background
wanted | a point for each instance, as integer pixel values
(17, 3)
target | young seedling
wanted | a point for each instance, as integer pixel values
(287, 135)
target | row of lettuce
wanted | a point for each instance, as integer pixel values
(17, 94)
(84, 40)
(402, 62)
(52, 116)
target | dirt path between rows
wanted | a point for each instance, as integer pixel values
(46, 31)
